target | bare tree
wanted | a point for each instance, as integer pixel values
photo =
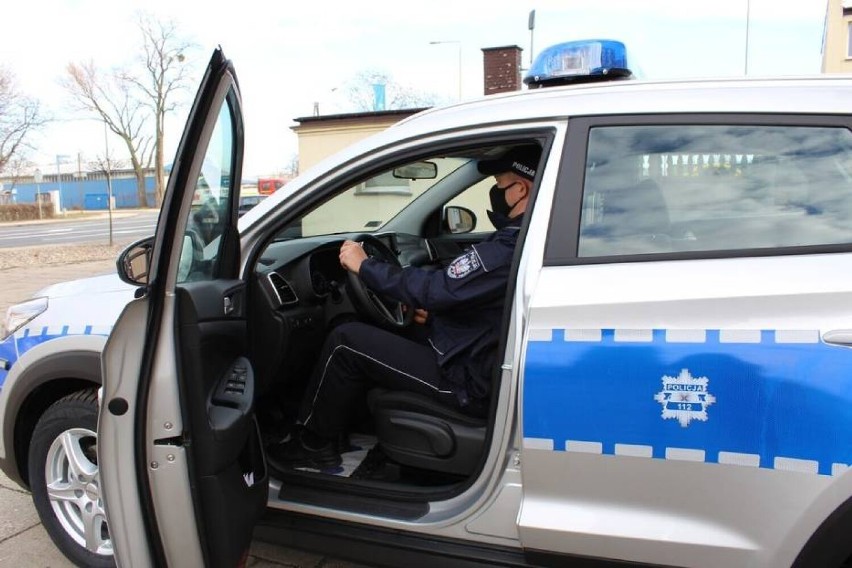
(134, 101)
(291, 168)
(20, 115)
(112, 99)
(18, 168)
(106, 164)
(361, 92)
(163, 56)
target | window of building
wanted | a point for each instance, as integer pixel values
(678, 188)
(849, 40)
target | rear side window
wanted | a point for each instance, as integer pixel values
(677, 188)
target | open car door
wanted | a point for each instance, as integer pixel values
(182, 469)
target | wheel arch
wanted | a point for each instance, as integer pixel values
(44, 381)
(831, 543)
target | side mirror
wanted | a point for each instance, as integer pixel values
(134, 262)
(458, 220)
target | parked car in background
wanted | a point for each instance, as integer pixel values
(248, 201)
(673, 380)
(268, 186)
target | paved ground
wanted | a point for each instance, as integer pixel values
(23, 541)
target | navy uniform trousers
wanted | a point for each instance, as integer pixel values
(357, 357)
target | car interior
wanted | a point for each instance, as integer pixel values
(422, 212)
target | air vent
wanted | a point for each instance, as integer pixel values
(285, 292)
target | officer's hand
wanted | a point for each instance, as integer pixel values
(351, 256)
(420, 316)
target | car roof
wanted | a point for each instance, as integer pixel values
(823, 94)
(818, 95)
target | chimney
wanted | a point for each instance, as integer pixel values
(502, 69)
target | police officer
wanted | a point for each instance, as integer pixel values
(454, 364)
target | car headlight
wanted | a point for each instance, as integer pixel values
(19, 315)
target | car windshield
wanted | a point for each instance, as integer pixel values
(368, 205)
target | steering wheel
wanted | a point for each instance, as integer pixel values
(383, 311)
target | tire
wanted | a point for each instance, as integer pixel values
(72, 510)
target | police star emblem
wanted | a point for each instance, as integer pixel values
(463, 265)
(685, 398)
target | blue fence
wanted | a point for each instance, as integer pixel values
(87, 194)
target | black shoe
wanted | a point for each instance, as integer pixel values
(293, 453)
(376, 467)
(342, 444)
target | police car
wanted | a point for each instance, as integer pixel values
(673, 384)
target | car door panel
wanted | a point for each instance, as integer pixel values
(219, 378)
(202, 480)
(122, 358)
(688, 396)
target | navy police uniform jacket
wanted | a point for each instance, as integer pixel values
(465, 303)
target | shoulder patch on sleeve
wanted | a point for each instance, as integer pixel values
(464, 265)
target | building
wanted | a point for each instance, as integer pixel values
(77, 190)
(501, 69)
(837, 37)
(322, 136)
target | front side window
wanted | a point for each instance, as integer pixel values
(679, 188)
(210, 210)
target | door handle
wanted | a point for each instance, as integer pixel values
(838, 337)
(229, 306)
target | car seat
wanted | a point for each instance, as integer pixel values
(417, 431)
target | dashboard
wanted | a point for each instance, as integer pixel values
(307, 271)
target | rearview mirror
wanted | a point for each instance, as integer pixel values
(134, 262)
(417, 170)
(458, 220)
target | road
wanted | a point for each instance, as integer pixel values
(127, 226)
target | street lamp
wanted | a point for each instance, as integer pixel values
(747, 22)
(459, 45)
(37, 179)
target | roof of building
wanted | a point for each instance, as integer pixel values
(378, 115)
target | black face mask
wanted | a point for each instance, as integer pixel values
(497, 195)
(499, 214)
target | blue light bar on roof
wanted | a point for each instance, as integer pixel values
(579, 62)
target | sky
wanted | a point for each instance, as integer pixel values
(290, 57)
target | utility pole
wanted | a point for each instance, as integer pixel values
(748, 17)
(108, 172)
(459, 46)
(38, 179)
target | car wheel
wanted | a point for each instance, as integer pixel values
(64, 478)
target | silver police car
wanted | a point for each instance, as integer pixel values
(674, 375)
